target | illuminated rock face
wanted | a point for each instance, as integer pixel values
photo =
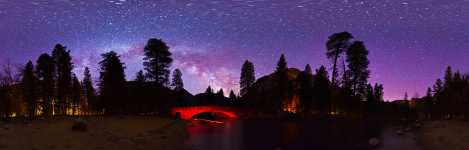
(291, 105)
(266, 94)
(186, 113)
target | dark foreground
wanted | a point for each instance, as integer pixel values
(148, 133)
(109, 133)
(298, 135)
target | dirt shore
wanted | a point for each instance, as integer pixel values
(445, 135)
(110, 133)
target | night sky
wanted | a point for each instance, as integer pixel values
(410, 42)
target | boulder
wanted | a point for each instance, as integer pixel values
(374, 142)
(399, 132)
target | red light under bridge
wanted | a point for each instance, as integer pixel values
(186, 113)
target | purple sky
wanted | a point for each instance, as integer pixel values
(410, 42)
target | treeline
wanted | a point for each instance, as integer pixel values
(447, 99)
(347, 92)
(48, 87)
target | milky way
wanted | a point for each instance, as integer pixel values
(410, 42)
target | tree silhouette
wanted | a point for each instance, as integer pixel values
(209, 90)
(447, 95)
(140, 93)
(89, 91)
(157, 61)
(378, 92)
(75, 94)
(29, 86)
(428, 102)
(9, 95)
(64, 66)
(112, 83)
(140, 77)
(221, 93)
(321, 90)
(336, 44)
(45, 71)
(282, 64)
(448, 77)
(308, 69)
(305, 80)
(283, 90)
(177, 82)
(233, 95)
(371, 100)
(438, 87)
(357, 59)
(247, 77)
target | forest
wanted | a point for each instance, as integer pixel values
(48, 87)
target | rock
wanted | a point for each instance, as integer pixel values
(374, 142)
(399, 132)
(407, 129)
(80, 125)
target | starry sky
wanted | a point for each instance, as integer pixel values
(410, 42)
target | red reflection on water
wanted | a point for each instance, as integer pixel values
(186, 113)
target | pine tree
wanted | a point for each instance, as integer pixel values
(45, 71)
(221, 93)
(438, 87)
(370, 93)
(283, 90)
(371, 101)
(336, 45)
(89, 91)
(29, 85)
(64, 66)
(177, 82)
(428, 103)
(112, 83)
(75, 94)
(447, 97)
(140, 77)
(247, 77)
(209, 90)
(322, 90)
(357, 59)
(140, 93)
(448, 77)
(305, 80)
(282, 64)
(378, 92)
(308, 69)
(233, 95)
(157, 61)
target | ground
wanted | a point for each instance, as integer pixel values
(110, 133)
(447, 135)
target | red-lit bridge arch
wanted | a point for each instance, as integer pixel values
(186, 113)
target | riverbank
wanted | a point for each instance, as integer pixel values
(111, 133)
(445, 134)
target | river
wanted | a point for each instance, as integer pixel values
(293, 135)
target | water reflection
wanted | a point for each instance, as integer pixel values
(274, 134)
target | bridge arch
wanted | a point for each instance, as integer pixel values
(187, 113)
